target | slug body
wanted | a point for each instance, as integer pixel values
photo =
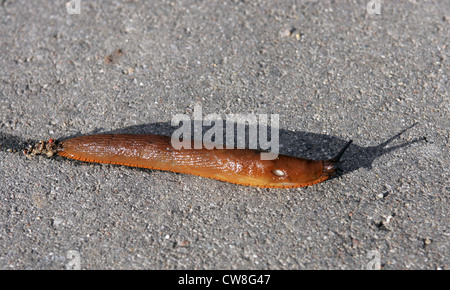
(240, 166)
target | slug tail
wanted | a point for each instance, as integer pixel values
(48, 148)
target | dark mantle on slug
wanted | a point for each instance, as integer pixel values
(301, 144)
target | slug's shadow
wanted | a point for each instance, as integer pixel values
(295, 143)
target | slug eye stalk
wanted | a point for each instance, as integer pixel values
(339, 155)
(330, 166)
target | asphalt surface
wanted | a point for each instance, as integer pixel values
(329, 69)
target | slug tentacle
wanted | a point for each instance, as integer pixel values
(330, 167)
(336, 158)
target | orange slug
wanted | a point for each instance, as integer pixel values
(239, 166)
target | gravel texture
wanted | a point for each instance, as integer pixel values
(332, 72)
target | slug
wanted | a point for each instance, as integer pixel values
(239, 166)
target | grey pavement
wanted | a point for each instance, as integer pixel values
(331, 70)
